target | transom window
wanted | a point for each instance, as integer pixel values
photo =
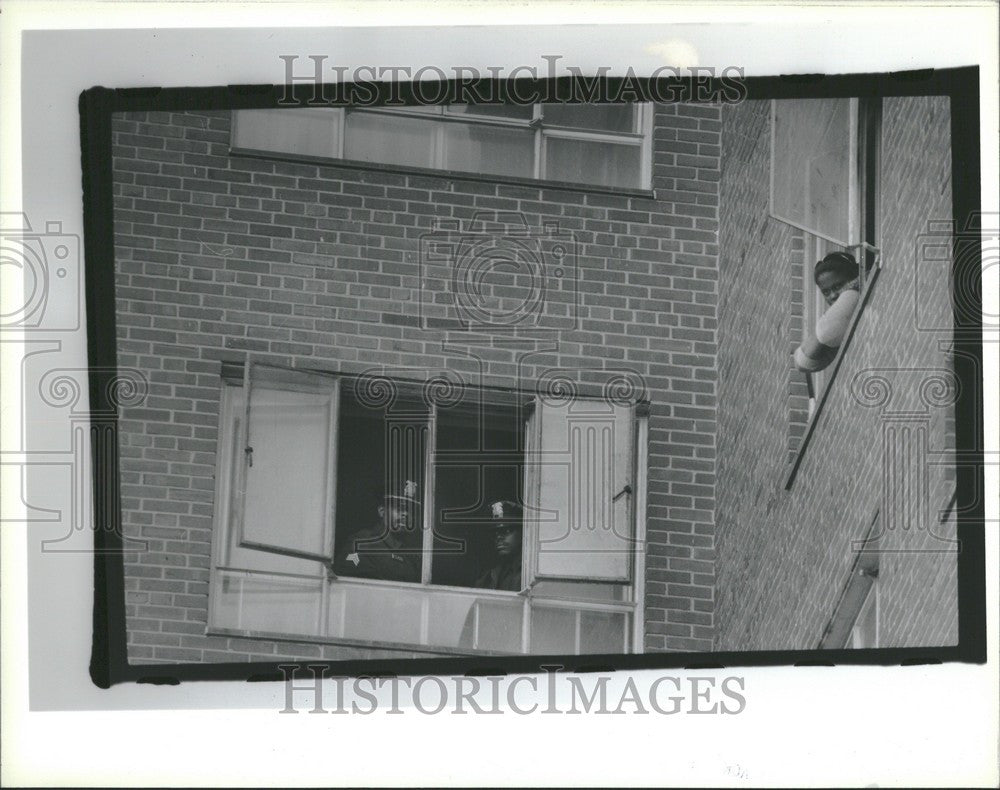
(607, 145)
(374, 511)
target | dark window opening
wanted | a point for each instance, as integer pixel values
(478, 462)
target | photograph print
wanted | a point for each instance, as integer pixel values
(483, 380)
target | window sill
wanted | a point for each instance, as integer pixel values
(793, 467)
(445, 175)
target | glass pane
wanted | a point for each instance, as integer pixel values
(515, 111)
(478, 462)
(490, 150)
(499, 624)
(380, 480)
(863, 633)
(451, 619)
(593, 117)
(226, 600)
(553, 631)
(455, 618)
(380, 614)
(305, 131)
(275, 604)
(603, 632)
(389, 139)
(812, 165)
(587, 162)
(285, 606)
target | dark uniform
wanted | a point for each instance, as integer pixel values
(371, 555)
(386, 550)
(505, 574)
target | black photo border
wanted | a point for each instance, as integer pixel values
(109, 662)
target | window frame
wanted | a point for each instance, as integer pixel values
(865, 223)
(227, 460)
(642, 138)
(855, 635)
(860, 590)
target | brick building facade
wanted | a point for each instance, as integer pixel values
(690, 288)
(784, 552)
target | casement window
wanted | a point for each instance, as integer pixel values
(606, 145)
(855, 620)
(824, 182)
(864, 632)
(301, 453)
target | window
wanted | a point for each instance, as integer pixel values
(855, 621)
(864, 632)
(607, 145)
(824, 182)
(314, 468)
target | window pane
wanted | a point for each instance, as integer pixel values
(863, 633)
(602, 632)
(375, 613)
(553, 630)
(306, 131)
(499, 624)
(489, 149)
(514, 111)
(812, 165)
(358, 610)
(451, 619)
(389, 139)
(587, 162)
(380, 464)
(278, 605)
(593, 117)
(478, 461)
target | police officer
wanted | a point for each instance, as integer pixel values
(390, 549)
(506, 523)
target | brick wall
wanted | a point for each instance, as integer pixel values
(783, 556)
(219, 255)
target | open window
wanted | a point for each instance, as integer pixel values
(289, 423)
(307, 460)
(581, 492)
(855, 620)
(824, 183)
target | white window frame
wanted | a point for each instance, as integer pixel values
(228, 455)
(641, 137)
